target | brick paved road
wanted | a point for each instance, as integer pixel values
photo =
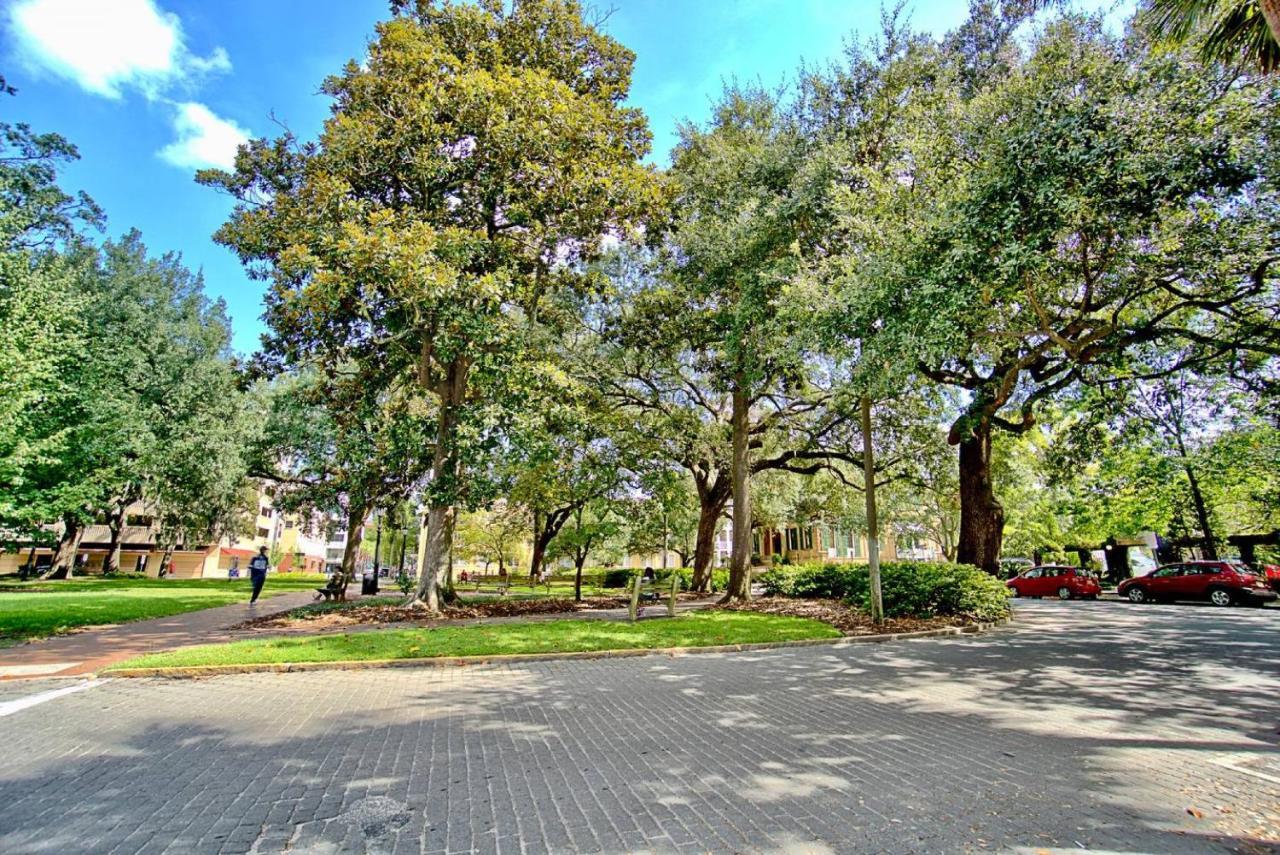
(1090, 725)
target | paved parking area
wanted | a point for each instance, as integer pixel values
(1086, 726)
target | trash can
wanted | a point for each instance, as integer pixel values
(369, 584)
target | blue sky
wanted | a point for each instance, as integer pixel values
(151, 90)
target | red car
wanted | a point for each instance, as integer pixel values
(1272, 574)
(1052, 580)
(1222, 583)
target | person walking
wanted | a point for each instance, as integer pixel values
(258, 566)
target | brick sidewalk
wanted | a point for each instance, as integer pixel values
(86, 651)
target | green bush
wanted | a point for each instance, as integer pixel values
(618, 577)
(719, 578)
(910, 588)
(829, 581)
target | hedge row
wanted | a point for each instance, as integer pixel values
(619, 577)
(910, 588)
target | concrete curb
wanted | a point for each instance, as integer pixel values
(516, 658)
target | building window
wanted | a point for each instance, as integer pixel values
(140, 520)
(262, 532)
(855, 546)
(288, 523)
(264, 511)
(793, 539)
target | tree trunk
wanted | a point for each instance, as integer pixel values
(579, 561)
(1271, 12)
(167, 559)
(64, 559)
(981, 514)
(115, 523)
(711, 507)
(534, 557)
(740, 471)
(873, 524)
(545, 529)
(540, 541)
(444, 473)
(351, 549)
(448, 592)
(1210, 544)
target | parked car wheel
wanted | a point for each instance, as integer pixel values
(1064, 593)
(1221, 597)
(1138, 595)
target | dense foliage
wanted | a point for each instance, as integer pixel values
(1017, 280)
(911, 588)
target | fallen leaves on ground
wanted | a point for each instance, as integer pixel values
(358, 614)
(848, 619)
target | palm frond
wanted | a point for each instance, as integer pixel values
(1230, 31)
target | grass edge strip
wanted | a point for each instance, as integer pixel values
(194, 671)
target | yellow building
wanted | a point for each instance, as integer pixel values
(299, 540)
(140, 550)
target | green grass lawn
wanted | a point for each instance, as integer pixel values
(36, 609)
(701, 629)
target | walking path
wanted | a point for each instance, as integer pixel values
(88, 650)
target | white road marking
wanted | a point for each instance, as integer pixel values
(11, 707)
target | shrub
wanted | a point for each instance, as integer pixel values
(833, 581)
(618, 577)
(924, 589)
(909, 588)
(719, 578)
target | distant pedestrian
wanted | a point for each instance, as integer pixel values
(258, 566)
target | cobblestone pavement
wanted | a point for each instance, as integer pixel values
(1085, 726)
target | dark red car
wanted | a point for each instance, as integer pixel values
(1223, 583)
(1052, 580)
(1272, 574)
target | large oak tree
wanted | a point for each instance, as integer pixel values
(473, 160)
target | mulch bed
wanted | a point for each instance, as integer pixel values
(357, 614)
(846, 618)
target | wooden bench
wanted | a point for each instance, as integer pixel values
(651, 591)
(332, 589)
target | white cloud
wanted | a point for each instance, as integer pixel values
(105, 45)
(108, 46)
(204, 139)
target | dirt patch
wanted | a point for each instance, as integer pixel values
(358, 614)
(846, 618)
